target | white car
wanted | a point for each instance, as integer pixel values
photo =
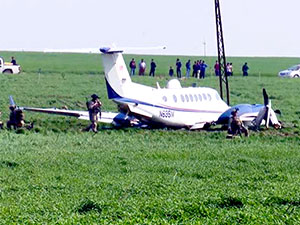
(9, 67)
(293, 72)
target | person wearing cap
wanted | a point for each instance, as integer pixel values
(235, 125)
(94, 108)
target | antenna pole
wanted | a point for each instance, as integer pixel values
(221, 53)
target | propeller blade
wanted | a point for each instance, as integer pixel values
(268, 107)
(261, 115)
(11, 101)
(266, 97)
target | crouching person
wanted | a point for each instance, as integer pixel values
(235, 125)
(17, 119)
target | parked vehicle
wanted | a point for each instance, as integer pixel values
(292, 72)
(9, 67)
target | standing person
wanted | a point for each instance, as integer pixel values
(13, 61)
(132, 66)
(178, 68)
(152, 68)
(94, 108)
(245, 69)
(171, 71)
(230, 69)
(199, 62)
(194, 69)
(217, 68)
(188, 68)
(203, 67)
(142, 67)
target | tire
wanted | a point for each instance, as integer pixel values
(296, 76)
(8, 71)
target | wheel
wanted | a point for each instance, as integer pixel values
(8, 71)
(296, 76)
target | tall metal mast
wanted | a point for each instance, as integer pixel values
(221, 53)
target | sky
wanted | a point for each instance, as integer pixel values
(251, 27)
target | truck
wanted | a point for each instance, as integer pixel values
(9, 67)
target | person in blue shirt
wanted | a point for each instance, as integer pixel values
(171, 71)
(13, 61)
(245, 69)
(188, 68)
(178, 68)
(203, 67)
(132, 66)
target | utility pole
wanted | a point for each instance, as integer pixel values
(204, 48)
(223, 79)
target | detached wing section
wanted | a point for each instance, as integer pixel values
(106, 117)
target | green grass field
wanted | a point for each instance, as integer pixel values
(56, 174)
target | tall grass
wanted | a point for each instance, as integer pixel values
(57, 174)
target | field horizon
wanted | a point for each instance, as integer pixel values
(57, 174)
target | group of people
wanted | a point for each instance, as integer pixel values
(199, 68)
(229, 69)
(142, 67)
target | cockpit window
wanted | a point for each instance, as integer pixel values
(174, 98)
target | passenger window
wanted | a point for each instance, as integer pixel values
(204, 97)
(165, 98)
(200, 97)
(195, 97)
(175, 98)
(209, 97)
(182, 98)
(187, 98)
(191, 97)
(217, 96)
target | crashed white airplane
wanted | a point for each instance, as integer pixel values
(173, 106)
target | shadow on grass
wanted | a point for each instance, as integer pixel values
(87, 206)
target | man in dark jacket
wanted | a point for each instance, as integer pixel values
(94, 108)
(152, 68)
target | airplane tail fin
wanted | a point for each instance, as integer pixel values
(116, 73)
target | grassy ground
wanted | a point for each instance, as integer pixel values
(57, 174)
